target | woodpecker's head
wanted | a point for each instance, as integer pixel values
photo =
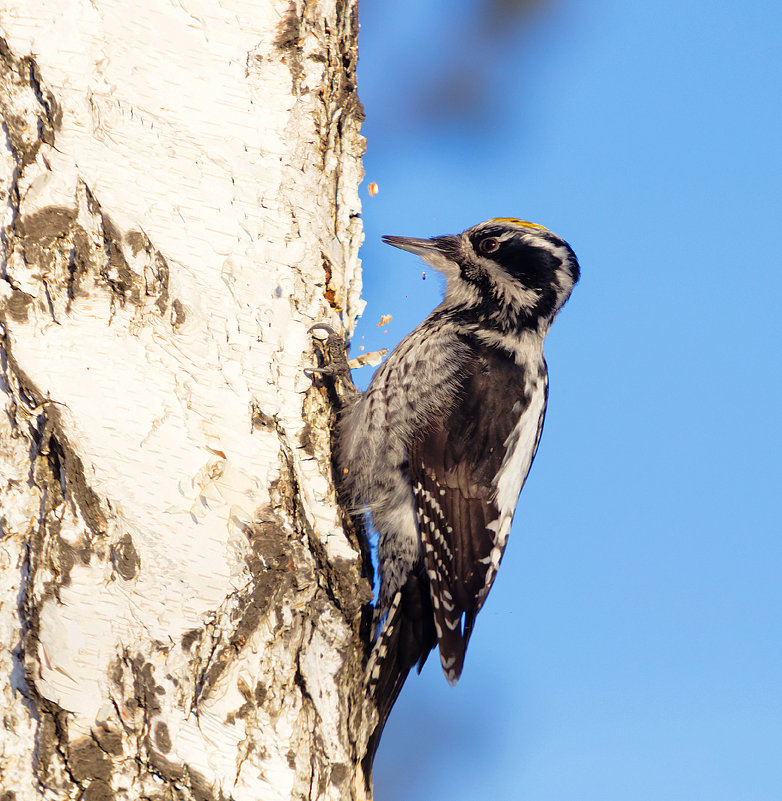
(514, 272)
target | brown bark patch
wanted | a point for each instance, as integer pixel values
(125, 558)
(87, 761)
(47, 225)
(109, 740)
(17, 305)
(97, 790)
(176, 774)
(288, 42)
(162, 737)
(189, 637)
(271, 564)
(178, 315)
(330, 293)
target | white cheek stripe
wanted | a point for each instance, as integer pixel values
(558, 251)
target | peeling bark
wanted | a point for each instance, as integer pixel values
(182, 604)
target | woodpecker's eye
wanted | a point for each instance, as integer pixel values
(488, 245)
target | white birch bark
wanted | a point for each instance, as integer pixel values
(180, 606)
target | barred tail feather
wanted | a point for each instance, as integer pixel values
(447, 617)
(405, 638)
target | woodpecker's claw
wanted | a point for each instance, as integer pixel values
(333, 364)
(328, 370)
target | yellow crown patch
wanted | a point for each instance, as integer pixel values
(519, 222)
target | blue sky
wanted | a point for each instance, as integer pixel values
(631, 647)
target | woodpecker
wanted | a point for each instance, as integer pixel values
(438, 448)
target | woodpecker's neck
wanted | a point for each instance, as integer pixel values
(505, 326)
(525, 348)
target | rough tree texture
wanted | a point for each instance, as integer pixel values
(180, 607)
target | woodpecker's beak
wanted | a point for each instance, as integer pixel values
(425, 248)
(439, 251)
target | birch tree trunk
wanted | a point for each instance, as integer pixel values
(180, 604)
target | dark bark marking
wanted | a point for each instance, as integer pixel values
(288, 42)
(17, 305)
(307, 438)
(178, 315)
(122, 281)
(189, 637)
(47, 225)
(162, 737)
(275, 569)
(97, 790)
(88, 761)
(23, 74)
(145, 689)
(259, 418)
(329, 292)
(108, 740)
(175, 774)
(125, 558)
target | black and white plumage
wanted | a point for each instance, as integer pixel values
(439, 446)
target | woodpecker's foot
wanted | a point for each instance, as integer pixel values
(333, 365)
(332, 353)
